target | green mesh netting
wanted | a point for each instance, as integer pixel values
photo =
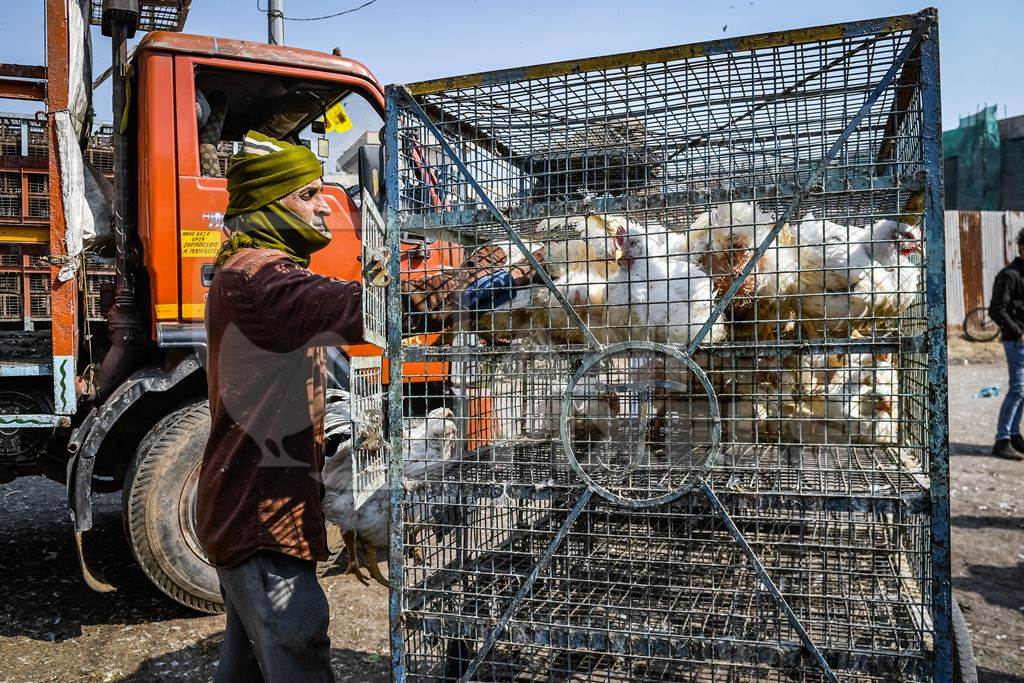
(975, 146)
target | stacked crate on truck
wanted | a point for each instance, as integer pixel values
(24, 226)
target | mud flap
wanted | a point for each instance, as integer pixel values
(79, 501)
(94, 578)
(86, 440)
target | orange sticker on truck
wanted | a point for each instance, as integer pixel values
(200, 243)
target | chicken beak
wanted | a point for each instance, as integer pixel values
(911, 243)
(622, 257)
(908, 248)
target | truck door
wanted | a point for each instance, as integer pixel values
(217, 101)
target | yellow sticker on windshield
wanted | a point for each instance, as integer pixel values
(338, 120)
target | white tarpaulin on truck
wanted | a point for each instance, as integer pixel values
(78, 89)
(77, 216)
(86, 206)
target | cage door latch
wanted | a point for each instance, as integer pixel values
(375, 267)
(370, 433)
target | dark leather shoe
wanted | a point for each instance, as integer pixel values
(1017, 441)
(1004, 450)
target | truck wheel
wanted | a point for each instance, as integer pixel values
(159, 504)
(159, 509)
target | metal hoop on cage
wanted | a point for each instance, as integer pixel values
(694, 475)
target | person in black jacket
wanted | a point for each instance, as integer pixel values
(1007, 310)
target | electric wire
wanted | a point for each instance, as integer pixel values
(326, 16)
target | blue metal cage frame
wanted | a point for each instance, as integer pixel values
(913, 67)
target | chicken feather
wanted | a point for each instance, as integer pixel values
(426, 447)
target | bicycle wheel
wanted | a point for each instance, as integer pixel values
(978, 327)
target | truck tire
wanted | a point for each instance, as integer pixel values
(159, 509)
(965, 669)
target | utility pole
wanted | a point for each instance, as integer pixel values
(275, 22)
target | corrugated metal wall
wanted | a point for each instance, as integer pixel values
(978, 245)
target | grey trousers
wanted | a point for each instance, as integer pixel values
(277, 619)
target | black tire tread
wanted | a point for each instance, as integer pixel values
(965, 668)
(166, 433)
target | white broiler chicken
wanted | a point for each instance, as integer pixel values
(590, 248)
(836, 314)
(694, 240)
(836, 257)
(580, 269)
(895, 290)
(732, 235)
(426, 447)
(794, 395)
(862, 399)
(656, 296)
(585, 290)
(675, 244)
(844, 286)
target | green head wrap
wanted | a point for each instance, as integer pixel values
(262, 173)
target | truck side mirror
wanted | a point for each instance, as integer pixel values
(371, 172)
(318, 127)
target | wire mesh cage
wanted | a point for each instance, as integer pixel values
(154, 15)
(695, 356)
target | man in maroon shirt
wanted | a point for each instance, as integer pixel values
(259, 508)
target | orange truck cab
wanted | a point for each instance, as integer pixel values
(280, 90)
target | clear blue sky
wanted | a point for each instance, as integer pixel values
(982, 41)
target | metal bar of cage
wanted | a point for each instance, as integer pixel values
(854, 29)
(855, 538)
(455, 219)
(938, 397)
(393, 330)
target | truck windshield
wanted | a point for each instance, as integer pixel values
(231, 103)
(352, 123)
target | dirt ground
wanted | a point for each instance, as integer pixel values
(53, 628)
(987, 518)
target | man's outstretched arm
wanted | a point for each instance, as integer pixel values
(301, 307)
